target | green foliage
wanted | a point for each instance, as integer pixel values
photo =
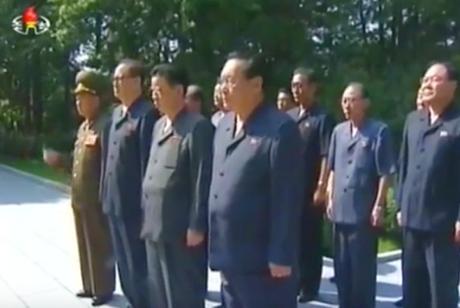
(19, 145)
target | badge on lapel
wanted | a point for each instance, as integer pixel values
(443, 133)
(307, 124)
(254, 141)
(130, 128)
(91, 139)
(365, 143)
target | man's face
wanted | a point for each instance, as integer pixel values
(235, 86)
(302, 90)
(123, 82)
(436, 87)
(284, 101)
(87, 104)
(353, 104)
(164, 95)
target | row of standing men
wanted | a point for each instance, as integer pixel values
(248, 197)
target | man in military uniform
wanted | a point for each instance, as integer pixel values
(428, 193)
(361, 163)
(94, 245)
(124, 163)
(315, 126)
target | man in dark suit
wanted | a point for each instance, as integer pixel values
(175, 195)
(124, 162)
(255, 193)
(420, 104)
(361, 161)
(315, 126)
(429, 194)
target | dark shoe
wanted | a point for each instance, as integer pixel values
(333, 280)
(101, 300)
(306, 297)
(399, 303)
(83, 293)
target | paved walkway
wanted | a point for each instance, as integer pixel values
(38, 255)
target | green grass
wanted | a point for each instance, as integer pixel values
(36, 167)
(388, 243)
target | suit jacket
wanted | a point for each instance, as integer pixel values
(315, 127)
(255, 193)
(177, 179)
(125, 158)
(358, 163)
(429, 174)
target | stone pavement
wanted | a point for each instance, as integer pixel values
(39, 262)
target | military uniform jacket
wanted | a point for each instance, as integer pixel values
(358, 163)
(429, 173)
(86, 169)
(124, 161)
(315, 127)
(255, 193)
(177, 179)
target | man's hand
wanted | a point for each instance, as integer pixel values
(52, 158)
(398, 218)
(320, 197)
(377, 216)
(194, 238)
(457, 232)
(280, 271)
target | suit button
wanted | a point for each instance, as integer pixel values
(422, 150)
(221, 173)
(150, 178)
(215, 196)
(418, 167)
(350, 161)
(155, 161)
(347, 176)
(146, 197)
(345, 190)
(115, 143)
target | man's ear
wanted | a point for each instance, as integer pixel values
(257, 82)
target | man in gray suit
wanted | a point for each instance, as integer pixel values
(361, 163)
(175, 195)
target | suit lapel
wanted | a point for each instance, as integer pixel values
(163, 135)
(352, 140)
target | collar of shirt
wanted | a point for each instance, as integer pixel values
(167, 125)
(238, 126)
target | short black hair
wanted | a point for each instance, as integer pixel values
(285, 90)
(309, 73)
(452, 72)
(361, 87)
(256, 64)
(196, 93)
(174, 75)
(135, 68)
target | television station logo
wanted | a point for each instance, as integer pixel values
(30, 22)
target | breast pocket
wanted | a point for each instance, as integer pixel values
(171, 153)
(363, 154)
